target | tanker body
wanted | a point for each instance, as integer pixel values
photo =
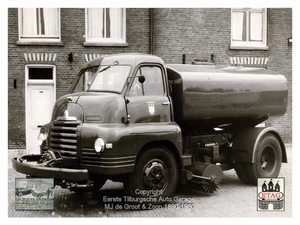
(131, 118)
(222, 97)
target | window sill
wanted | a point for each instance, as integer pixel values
(261, 48)
(106, 44)
(40, 43)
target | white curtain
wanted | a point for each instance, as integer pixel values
(238, 26)
(116, 23)
(256, 25)
(43, 21)
(29, 22)
(105, 23)
(51, 22)
(95, 23)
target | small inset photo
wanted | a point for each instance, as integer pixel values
(34, 194)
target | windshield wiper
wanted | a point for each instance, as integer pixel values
(98, 71)
(105, 68)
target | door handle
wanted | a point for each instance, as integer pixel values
(39, 126)
(166, 103)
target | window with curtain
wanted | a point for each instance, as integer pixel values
(39, 24)
(105, 25)
(248, 27)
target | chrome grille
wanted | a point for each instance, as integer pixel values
(63, 137)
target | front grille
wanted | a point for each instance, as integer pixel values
(63, 138)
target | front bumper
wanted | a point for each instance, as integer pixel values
(28, 165)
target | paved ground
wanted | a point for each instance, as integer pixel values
(232, 200)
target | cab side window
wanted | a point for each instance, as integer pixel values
(153, 84)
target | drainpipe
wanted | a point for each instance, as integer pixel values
(151, 30)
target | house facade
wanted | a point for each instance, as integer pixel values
(46, 48)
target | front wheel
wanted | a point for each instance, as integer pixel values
(155, 174)
(267, 161)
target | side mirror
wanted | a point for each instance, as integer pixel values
(142, 79)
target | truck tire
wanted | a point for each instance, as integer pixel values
(156, 171)
(267, 161)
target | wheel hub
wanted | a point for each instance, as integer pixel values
(155, 175)
(268, 159)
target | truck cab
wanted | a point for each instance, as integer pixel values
(117, 107)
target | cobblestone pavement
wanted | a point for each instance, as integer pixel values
(232, 200)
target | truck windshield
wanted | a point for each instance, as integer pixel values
(110, 79)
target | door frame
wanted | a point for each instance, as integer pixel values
(38, 82)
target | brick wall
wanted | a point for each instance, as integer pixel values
(280, 54)
(72, 32)
(16, 105)
(197, 33)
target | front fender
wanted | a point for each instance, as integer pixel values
(246, 141)
(123, 143)
(126, 140)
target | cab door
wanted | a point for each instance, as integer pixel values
(148, 101)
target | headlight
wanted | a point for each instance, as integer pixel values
(41, 138)
(99, 145)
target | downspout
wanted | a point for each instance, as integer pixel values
(151, 30)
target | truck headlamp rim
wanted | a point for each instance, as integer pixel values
(99, 145)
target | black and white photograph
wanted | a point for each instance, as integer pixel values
(150, 112)
(34, 194)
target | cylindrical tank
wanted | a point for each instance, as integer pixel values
(220, 96)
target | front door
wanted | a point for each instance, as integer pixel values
(148, 102)
(40, 101)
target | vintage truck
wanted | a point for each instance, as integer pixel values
(133, 119)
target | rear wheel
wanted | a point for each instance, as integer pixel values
(267, 161)
(155, 174)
